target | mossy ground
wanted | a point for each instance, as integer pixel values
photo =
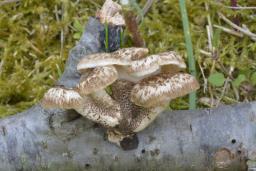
(35, 37)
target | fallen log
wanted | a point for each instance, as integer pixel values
(208, 139)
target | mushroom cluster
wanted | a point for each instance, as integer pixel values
(142, 87)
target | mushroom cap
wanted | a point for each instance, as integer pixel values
(60, 97)
(120, 57)
(117, 20)
(98, 79)
(108, 10)
(169, 62)
(131, 53)
(160, 89)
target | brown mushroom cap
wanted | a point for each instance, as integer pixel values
(160, 89)
(98, 79)
(108, 11)
(117, 20)
(120, 57)
(170, 62)
(60, 97)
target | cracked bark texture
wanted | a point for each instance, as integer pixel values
(210, 139)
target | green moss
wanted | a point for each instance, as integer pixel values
(33, 56)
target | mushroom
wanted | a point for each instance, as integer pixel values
(110, 13)
(120, 57)
(104, 111)
(139, 92)
(117, 20)
(160, 89)
(98, 79)
(60, 97)
(134, 118)
(166, 62)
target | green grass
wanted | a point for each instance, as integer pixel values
(189, 47)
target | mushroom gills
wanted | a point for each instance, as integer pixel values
(136, 77)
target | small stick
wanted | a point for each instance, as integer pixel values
(243, 30)
(236, 7)
(225, 85)
(145, 9)
(209, 38)
(241, 8)
(205, 53)
(132, 27)
(209, 20)
(8, 2)
(204, 78)
(230, 31)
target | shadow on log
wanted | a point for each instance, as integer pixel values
(209, 139)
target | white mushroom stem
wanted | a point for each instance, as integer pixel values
(103, 97)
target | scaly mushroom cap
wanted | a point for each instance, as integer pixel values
(108, 13)
(160, 89)
(120, 57)
(98, 79)
(60, 97)
(169, 62)
(117, 20)
(131, 54)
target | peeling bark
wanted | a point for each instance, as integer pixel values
(210, 139)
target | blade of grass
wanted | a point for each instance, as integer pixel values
(106, 37)
(122, 38)
(189, 47)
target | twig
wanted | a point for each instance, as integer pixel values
(241, 8)
(243, 30)
(145, 9)
(8, 2)
(236, 8)
(209, 20)
(57, 12)
(62, 36)
(204, 78)
(1, 65)
(132, 27)
(209, 37)
(205, 53)
(230, 31)
(228, 79)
